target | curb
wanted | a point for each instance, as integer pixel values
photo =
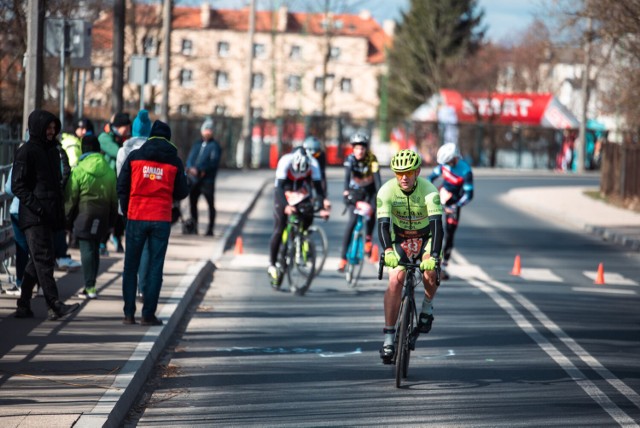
(115, 403)
(617, 235)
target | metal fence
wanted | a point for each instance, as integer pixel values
(620, 173)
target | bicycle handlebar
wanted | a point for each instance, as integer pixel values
(438, 269)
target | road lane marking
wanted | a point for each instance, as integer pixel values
(611, 278)
(599, 289)
(539, 274)
(340, 354)
(622, 418)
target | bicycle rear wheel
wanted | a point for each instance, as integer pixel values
(319, 237)
(302, 269)
(403, 351)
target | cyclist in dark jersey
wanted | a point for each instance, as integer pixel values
(361, 183)
(456, 192)
(314, 149)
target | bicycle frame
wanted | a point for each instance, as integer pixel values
(355, 250)
(295, 254)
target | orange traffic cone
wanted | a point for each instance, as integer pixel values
(600, 276)
(375, 254)
(238, 249)
(516, 266)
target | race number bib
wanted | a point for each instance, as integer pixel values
(412, 247)
(295, 197)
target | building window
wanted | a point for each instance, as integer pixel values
(320, 83)
(296, 52)
(219, 110)
(97, 74)
(184, 109)
(223, 49)
(149, 45)
(334, 52)
(257, 81)
(256, 112)
(186, 78)
(293, 83)
(95, 102)
(187, 47)
(259, 50)
(222, 80)
(345, 85)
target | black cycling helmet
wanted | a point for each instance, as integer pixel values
(360, 138)
(405, 161)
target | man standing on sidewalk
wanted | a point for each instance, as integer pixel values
(151, 178)
(36, 182)
(202, 168)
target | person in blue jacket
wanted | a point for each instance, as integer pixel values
(202, 167)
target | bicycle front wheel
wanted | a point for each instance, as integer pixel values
(403, 351)
(318, 236)
(302, 268)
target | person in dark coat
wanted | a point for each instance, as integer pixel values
(202, 168)
(37, 182)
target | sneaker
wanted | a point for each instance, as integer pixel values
(62, 310)
(368, 246)
(387, 353)
(424, 323)
(150, 321)
(341, 265)
(272, 271)
(22, 312)
(103, 250)
(13, 291)
(91, 293)
(67, 264)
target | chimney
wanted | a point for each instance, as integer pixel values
(205, 15)
(365, 15)
(389, 27)
(283, 16)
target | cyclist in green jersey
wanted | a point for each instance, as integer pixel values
(410, 229)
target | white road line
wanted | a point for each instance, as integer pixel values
(603, 290)
(539, 274)
(587, 386)
(611, 278)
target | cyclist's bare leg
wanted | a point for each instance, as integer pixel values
(393, 295)
(429, 281)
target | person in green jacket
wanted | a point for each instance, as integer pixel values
(116, 132)
(91, 207)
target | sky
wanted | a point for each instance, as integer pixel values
(504, 17)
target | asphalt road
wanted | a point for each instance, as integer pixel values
(547, 348)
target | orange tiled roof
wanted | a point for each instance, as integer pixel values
(238, 20)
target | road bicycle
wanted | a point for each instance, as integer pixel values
(355, 250)
(406, 326)
(297, 257)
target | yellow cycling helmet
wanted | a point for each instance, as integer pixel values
(405, 161)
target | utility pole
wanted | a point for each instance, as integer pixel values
(581, 142)
(117, 67)
(166, 58)
(246, 122)
(33, 61)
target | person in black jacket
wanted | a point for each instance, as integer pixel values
(37, 182)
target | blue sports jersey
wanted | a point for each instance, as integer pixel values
(457, 180)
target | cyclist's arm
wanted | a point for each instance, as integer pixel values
(434, 209)
(384, 232)
(467, 186)
(437, 172)
(347, 173)
(278, 194)
(375, 168)
(383, 212)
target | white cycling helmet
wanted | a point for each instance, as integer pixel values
(300, 163)
(447, 153)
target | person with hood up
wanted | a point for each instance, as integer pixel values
(91, 207)
(151, 178)
(36, 182)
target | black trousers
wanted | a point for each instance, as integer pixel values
(39, 269)
(206, 189)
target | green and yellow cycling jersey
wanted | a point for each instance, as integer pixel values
(409, 213)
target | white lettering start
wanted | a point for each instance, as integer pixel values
(513, 107)
(152, 172)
